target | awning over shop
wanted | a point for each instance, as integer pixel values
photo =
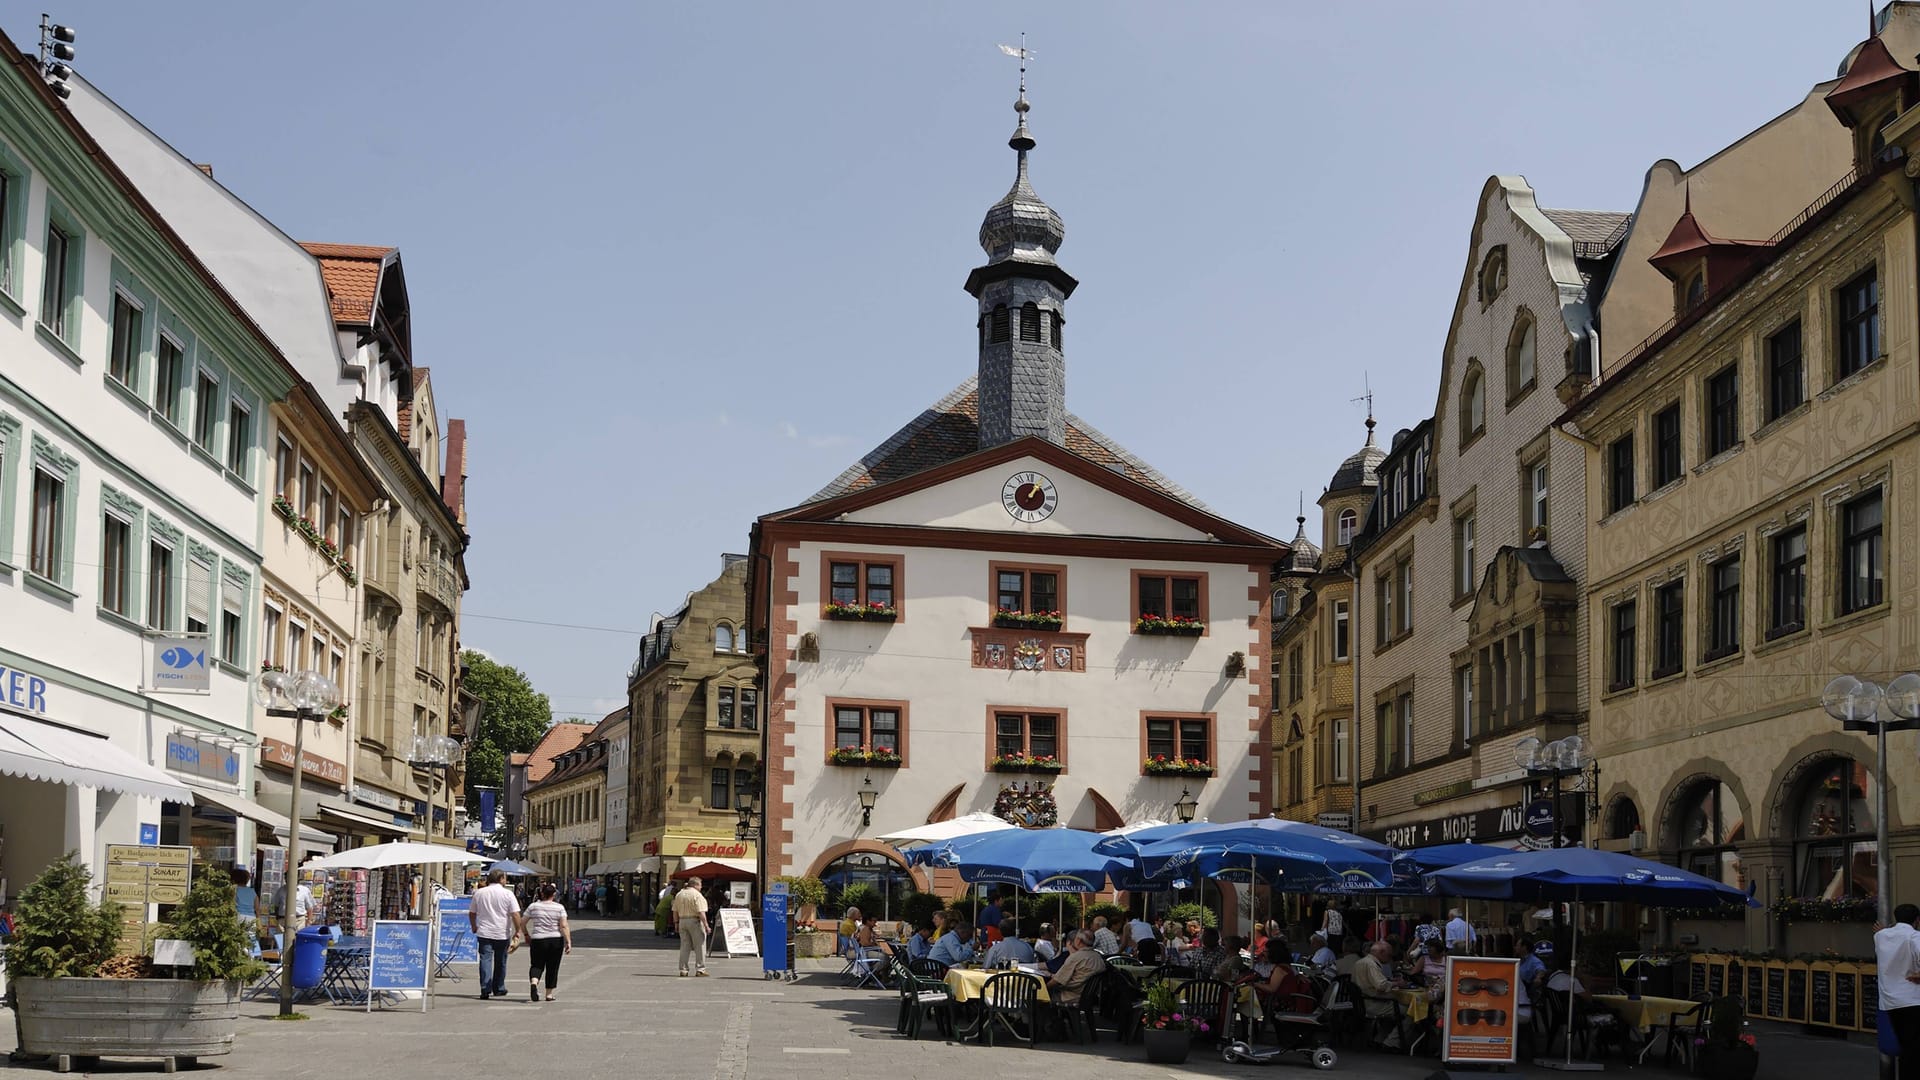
(41, 751)
(648, 865)
(321, 808)
(253, 811)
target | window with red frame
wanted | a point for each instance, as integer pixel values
(1184, 738)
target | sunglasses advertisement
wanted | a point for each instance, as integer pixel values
(1482, 1012)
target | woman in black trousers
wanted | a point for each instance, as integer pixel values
(548, 938)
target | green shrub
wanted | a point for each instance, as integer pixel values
(1186, 913)
(1116, 915)
(804, 891)
(209, 921)
(57, 931)
(917, 909)
(865, 897)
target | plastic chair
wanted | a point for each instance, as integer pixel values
(1683, 1028)
(1011, 998)
(920, 998)
(1208, 999)
(926, 967)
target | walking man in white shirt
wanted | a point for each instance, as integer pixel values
(495, 917)
(1896, 952)
(690, 917)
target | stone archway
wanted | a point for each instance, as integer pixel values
(1684, 779)
(1809, 754)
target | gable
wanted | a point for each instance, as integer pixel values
(975, 500)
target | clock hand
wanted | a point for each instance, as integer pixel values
(1036, 489)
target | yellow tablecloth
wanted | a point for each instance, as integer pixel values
(1645, 1013)
(1416, 1002)
(969, 983)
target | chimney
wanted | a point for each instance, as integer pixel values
(453, 486)
(205, 167)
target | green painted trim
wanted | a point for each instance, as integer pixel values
(13, 229)
(48, 337)
(11, 305)
(124, 281)
(50, 588)
(73, 680)
(65, 165)
(126, 394)
(232, 573)
(168, 322)
(122, 621)
(51, 459)
(131, 478)
(76, 269)
(10, 454)
(165, 534)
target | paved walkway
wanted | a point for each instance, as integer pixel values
(623, 1012)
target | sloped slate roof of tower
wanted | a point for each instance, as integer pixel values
(950, 429)
(1594, 232)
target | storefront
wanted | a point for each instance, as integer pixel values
(323, 782)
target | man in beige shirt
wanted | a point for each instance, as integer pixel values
(690, 917)
(1083, 962)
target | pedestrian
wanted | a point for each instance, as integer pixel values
(247, 902)
(548, 937)
(1459, 934)
(690, 919)
(494, 917)
(1333, 927)
(600, 897)
(1896, 952)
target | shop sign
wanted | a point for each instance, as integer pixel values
(651, 847)
(180, 663)
(1540, 818)
(1482, 826)
(376, 797)
(22, 691)
(197, 755)
(276, 752)
(138, 875)
(1334, 819)
(715, 849)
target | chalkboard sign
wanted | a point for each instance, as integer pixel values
(1821, 1007)
(1756, 988)
(399, 958)
(1869, 1000)
(1797, 994)
(1717, 979)
(457, 944)
(1776, 994)
(1696, 978)
(1846, 999)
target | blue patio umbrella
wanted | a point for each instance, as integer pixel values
(1440, 856)
(1267, 828)
(1579, 874)
(1037, 860)
(1291, 859)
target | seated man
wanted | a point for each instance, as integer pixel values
(955, 946)
(1206, 956)
(1083, 962)
(1373, 976)
(1011, 947)
(1320, 956)
(1350, 959)
(1104, 939)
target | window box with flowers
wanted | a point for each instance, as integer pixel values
(315, 538)
(1161, 765)
(1168, 625)
(339, 714)
(1845, 909)
(879, 757)
(1013, 619)
(861, 612)
(1027, 763)
(268, 665)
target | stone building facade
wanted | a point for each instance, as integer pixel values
(1461, 659)
(566, 809)
(1753, 479)
(694, 732)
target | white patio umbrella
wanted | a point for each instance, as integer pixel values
(399, 853)
(933, 832)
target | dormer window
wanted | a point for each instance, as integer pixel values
(1694, 293)
(1344, 530)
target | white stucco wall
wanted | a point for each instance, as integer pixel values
(974, 502)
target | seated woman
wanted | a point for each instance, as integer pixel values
(1431, 969)
(1280, 987)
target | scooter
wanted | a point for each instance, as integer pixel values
(1237, 1051)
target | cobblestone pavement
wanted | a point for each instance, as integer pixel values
(623, 1012)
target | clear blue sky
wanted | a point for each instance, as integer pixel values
(679, 264)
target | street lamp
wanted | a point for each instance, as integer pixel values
(1861, 705)
(306, 696)
(868, 796)
(744, 806)
(430, 753)
(1554, 761)
(1186, 807)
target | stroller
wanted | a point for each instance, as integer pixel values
(1301, 1033)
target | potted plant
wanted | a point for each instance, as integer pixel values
(1171, 625)
(67, 1003)
(861, 612)
(1162, 765)
(1015, 619)
(1027, 763)
(1169, 1032)
(879, 757)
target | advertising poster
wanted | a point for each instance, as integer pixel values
(736, 923)
(1483, 1005)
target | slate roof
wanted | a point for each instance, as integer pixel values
(1594, 232)
(950, 429)
(352, 274)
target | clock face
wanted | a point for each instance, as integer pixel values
(1029, 497)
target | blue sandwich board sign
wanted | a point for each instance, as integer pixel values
(399, 957)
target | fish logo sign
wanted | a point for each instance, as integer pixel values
(180, 663)
(178, 658)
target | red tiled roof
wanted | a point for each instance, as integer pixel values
(404, 423)
(559, 739)
(352, 274)
(1873, 72)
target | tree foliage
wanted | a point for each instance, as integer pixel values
(209, 921)
(57, 931)
(515, 717)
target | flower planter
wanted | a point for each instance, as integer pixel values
(863, 616)
(1169, 768)
(1028, 767)
(867, 761)
(176, 1020)
(1167, 1047)
(1171, 629)
(1026, 622)
(815, 945)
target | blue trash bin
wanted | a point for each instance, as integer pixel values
(309, 957)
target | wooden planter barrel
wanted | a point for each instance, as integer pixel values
(175, 1020)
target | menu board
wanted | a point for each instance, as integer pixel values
(1776, 993)
(1869, 1000)
(1480, 1026)
(1846, 999)
(736, 926)
(457, 942)
(1696, 977)
(1797, 994)
(143, 874)
(1756, 990)
(1717, 979)
(1820, 1008)
(398, 958)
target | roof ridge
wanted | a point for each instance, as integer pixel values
(840, 483)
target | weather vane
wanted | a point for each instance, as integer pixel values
(1023, 54)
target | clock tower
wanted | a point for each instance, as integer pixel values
(1022, 294)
